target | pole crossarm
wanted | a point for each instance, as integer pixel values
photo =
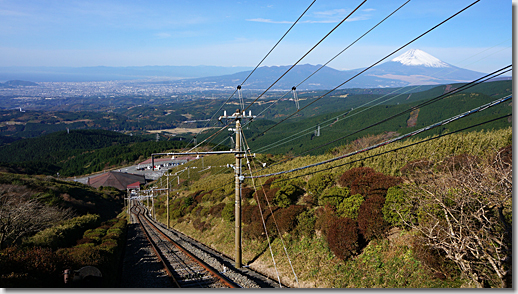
(199, 153)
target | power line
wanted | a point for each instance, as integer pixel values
(374, 64)
(278, 41)
(337, 118)
(462, 88)
(441, 123)
(321, 40)
(257, 66)
(383, 20)
(400, 148)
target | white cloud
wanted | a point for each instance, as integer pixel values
(368, 9)
(162, 35)
(329, 13)
(266, 20)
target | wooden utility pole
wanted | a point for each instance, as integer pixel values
(237, 116)
(153, 203)
(238, 181)
(167, 201)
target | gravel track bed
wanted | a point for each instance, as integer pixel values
(141, 268)
(187, 272)
(245, 277)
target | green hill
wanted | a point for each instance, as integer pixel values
(298, 134)
(79, 152)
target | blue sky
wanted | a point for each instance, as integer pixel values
(239, 33)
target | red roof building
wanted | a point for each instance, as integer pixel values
(116, 179)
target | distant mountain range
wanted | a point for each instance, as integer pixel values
(414, 67)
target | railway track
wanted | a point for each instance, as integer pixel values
(183, 268)
(167, 266)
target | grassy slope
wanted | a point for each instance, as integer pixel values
(385, 263)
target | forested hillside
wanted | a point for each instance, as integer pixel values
(311, 133)
(79, 152)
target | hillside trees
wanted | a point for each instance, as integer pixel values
(465, 211)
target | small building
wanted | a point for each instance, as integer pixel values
(133, 189)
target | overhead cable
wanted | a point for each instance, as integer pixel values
(399, 148)
(312, 48)
(427, 102)
(239, 86)
(366, 69)
(339, 53)
(441, 123)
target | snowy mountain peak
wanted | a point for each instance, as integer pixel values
(419, 57)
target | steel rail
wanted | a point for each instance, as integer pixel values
(213, 272)
(158, 254)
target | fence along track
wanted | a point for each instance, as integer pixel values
(186, 270)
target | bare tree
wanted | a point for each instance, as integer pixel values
(464, 209)
(22, 216)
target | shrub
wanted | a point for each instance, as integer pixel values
(214, 195)
(228, 213)
(306, 224)
(350, 206)
(254, 231)
(396, 203)
(30, 268)
(342, 237)
(287, 195)
(268, 183)
(348, 177)
(216, 209)
(247, 192)
(371, 223)
(250, 214)
(419, 165)
(287, 217)
(319, 182)
(310, 201)
(458, 162)
(380, 183)
(199, 225)
(197, 196)
(204, 211)
(323, 215)
(64, 234)
(266, 196)
(433, 258)
(333, 196)
(367, 182)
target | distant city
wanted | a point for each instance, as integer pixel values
(104, 89)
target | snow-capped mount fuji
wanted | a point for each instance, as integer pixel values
(416, 67)
(418, 57)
